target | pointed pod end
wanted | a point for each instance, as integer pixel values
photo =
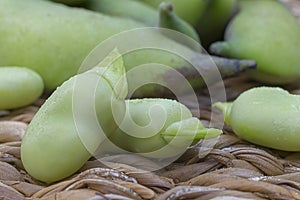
(212, 133)
(235, 66)
(220, 48)
(113, 70)
(166, 7)
(247, 64)
(225, 107)
(232, 67)
(191, 130)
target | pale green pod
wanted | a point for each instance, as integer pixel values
(19, 87)
(159, 128)
(266, 116)
(64, 133)
(136, 10)
(265, 31)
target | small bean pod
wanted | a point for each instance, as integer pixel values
(159, 128)
(19, 87)
(267, 116)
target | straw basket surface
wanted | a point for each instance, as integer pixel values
(233, 169)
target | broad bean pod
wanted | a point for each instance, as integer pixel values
(267, 116)
(159, 128)
(265, 31)
(62, 136)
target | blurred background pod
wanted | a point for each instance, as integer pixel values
(136, 10)
(190, 10)
(70, 2)
(168, 19)
(63, 37)
(265, 31)
(163, 16)
(214, 20)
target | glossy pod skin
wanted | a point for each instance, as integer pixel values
(265, 31)
(62, 137)
(19, 87)
(267, 116)
(160, 128)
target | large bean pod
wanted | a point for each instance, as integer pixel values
(53, 40)
(65, 133)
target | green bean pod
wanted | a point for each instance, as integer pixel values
(265, 31)
(159, 128)
(215, 19)
(266, 116)
(65, 132)
(19, 87)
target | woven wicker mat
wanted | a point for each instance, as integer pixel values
(233, 169)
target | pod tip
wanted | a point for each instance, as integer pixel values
(225, 107)
(166, 6)
(220, 48)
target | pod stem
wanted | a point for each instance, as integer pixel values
(231, 67)
(189, 130)
(206, 133)
(220, 48)
(225, 108)
(210, 66)
(168, 19)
